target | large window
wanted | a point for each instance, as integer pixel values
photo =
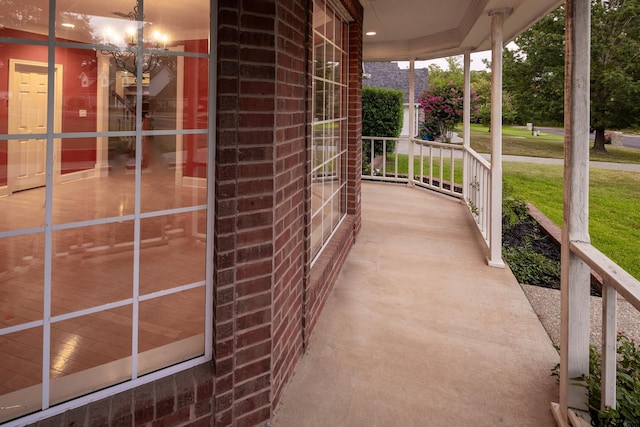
(329, 151)
(104, 195)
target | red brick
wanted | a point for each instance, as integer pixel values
(254, 253)
(255, 269)
(258, 368)
(255, 286)
(252, 403)
(179, 417)
(259, 416)
(253, 303)
(204, 390)
(255, 352)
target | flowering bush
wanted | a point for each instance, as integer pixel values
(443, 109)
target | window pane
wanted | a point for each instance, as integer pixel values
(90, 352)
(92, 266)
(173, 177)
(329, 138)
(171, 329)
(21, 279)
(20, 373)
(128, 158)
(173, 252)
(20, 176)
(83, 195)
(28, 19)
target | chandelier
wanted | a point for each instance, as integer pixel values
(127, 51)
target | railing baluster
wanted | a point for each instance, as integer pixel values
(441, 152)
(384, 158)
(421, 164)
(608, 375)
(452, 180)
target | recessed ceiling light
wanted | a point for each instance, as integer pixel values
(370, 33)
(66, 24)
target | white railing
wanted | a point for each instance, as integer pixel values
(615, 280)
(477, 176)
(451, 169)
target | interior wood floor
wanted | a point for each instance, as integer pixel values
(93, 266)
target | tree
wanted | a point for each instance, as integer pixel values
(615, 66)
(443, 108)
(535, 73)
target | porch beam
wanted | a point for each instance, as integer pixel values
(497, 41)
(575, 273)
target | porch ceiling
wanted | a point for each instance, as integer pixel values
(428, 29)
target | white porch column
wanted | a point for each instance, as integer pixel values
(497, 40)
(412, 109)
(575, 274)
(466, 123)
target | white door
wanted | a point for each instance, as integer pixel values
(28, 115)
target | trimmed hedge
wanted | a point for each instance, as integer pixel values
(382, 114)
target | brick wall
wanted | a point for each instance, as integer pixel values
(263, 198)
(245, 219)
(182, 399)
(291, 145)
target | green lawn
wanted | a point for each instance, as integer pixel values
(520, 142)
(614, 206)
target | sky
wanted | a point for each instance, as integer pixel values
(476, 60)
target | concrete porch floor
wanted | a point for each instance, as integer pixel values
(419, 331)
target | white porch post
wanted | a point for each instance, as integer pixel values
(466, 123)
(412, 109)
(497, 39)
(575, 274)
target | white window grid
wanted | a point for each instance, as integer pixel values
(47, 409)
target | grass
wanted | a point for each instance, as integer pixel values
(614, 206)
(403, 167)
(520, 142)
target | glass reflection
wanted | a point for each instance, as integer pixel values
(21, 279)
(181, 335)
(20, 373)
(85, 193)
(174, 175)
(92, 266)
(173, 251)
(90, 352)
(25, 19)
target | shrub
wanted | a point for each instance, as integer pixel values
(627, 412)
(443, 108)
(532, 257)
(382, 114)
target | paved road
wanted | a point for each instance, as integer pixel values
(631, 141)
(543, 160)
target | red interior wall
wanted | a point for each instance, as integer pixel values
(77, 154)
(196, 114)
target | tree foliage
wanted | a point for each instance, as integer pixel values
(534, 74)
